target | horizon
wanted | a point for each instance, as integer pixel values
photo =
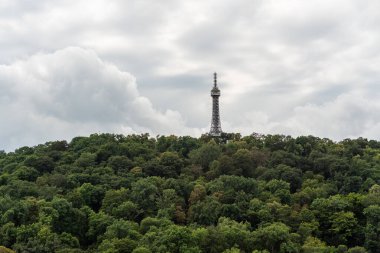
(155, 137)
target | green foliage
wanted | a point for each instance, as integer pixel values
(258, 193)
(116, 245)
(122, 229)
(372, 229)
(141, 250)
(153, 223)
(172, 238)
(314, 245)
(5, 250)
(271, 237)
(357, 249)
(41, 163)
(343, 225)
(206, 154)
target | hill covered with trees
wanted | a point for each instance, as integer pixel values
(114, 193)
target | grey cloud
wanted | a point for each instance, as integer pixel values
(70, 92)
(349, 115)
(282, 65)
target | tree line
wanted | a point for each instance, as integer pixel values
(112, 193)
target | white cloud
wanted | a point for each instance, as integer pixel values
(285, 66)
(349, 115)
(72, 92)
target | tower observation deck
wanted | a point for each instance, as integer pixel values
(216, 129)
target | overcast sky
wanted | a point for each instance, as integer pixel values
(76, 67)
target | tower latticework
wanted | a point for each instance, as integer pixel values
(216, 128)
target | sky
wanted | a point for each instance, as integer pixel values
(74, 67)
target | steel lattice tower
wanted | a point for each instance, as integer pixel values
(216, 129)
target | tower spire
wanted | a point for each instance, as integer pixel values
(216, 129)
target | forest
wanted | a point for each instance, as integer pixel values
(113, 193)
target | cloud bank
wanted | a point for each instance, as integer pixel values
(350, 115)
(73, 92)
(290, 67)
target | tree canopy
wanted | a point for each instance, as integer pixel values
(259, 193)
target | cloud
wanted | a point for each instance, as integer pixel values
(284, 66)
(73, 92)
(349, 115)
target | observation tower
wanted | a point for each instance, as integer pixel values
(216, 128)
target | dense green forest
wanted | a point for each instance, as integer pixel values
(258, 193)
